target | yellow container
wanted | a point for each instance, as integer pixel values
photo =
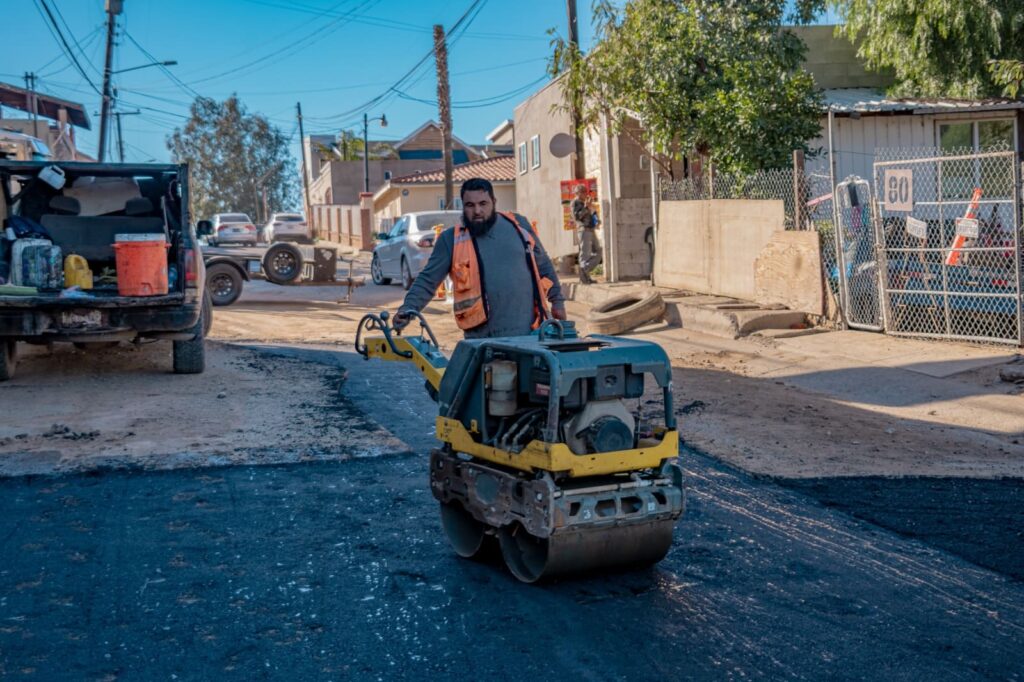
(77, 272)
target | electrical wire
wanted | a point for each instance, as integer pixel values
(71, 33)
(86, 42)
(187, 89)
(301, 44)
(394, 24)
(482, 102)
(54, 29)
(458, 28)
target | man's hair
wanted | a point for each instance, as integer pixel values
(476, 185)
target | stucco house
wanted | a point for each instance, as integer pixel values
(332, 181)
(425, 191)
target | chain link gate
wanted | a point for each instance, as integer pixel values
(857, 262)
(949, 227)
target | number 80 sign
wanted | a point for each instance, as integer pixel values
(899, 190)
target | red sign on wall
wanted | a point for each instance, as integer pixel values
(569, 193)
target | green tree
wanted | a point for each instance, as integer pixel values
(938, 48)
(233, 157)
(717, 77)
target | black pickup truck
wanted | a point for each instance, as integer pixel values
(97, 205)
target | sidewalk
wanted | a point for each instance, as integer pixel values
(844, 403)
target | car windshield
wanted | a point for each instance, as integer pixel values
(288, 218)
(427, 221)
(234, 218)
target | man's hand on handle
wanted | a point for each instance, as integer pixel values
(401, 320)
(558, 311)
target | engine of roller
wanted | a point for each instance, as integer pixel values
(549, 447)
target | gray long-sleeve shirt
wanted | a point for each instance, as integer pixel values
(508, 283)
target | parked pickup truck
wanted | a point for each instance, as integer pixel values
(88, 208)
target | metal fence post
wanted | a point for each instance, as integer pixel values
(1016, 245)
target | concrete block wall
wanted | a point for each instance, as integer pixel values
(632, 217)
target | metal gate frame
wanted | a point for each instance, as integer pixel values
(866, 294)
(946, 292)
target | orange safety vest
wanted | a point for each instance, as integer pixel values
(470, 298)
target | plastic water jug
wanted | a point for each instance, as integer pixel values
(77, 272)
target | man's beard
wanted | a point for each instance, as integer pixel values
(478, 228)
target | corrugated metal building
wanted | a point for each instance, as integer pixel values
(864, 120)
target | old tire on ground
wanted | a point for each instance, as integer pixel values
(623, 313)
(190, 356)
(282, 263)
(8, 359)
(377, 272)
(224, 283)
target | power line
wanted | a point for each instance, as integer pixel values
(86, 42)
(319, 34)
(482, 102)
(392, 23)
(71, 33)
(167, 72)
(54, 29)
(458, 28)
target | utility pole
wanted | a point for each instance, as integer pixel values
(120, 135)
(113, 9)
(305, 181)
(32, 105)
(580, 166)
(444, 108)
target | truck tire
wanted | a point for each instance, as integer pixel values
(623, 313)
(282, 263)
(8, 359)
(190, 356)
(224, 284)
(207, 314)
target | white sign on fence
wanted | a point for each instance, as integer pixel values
(899, 190)
(917, 228)
(967, 227)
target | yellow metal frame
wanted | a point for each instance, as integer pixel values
(377, 347)
(541, 456)
(537, 455)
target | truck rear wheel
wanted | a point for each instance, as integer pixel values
(8, 359)
(224, 283)
(190, 356)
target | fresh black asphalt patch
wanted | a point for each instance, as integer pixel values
(979, 520)
(339, 570)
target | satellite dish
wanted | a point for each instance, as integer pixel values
(562, 145)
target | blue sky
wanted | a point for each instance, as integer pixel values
(332, 55)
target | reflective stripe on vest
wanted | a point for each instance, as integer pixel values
(467, 282)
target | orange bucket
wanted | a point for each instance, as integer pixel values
(141, 268)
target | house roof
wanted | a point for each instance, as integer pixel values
(497, 169)
(47, 105)
(504, 126)
(412, 136)
(871, 101)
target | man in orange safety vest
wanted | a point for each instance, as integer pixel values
(504, 283)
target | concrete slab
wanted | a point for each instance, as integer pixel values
(932, 358)
(789, 333)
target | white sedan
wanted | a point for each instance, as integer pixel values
(287, 227)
